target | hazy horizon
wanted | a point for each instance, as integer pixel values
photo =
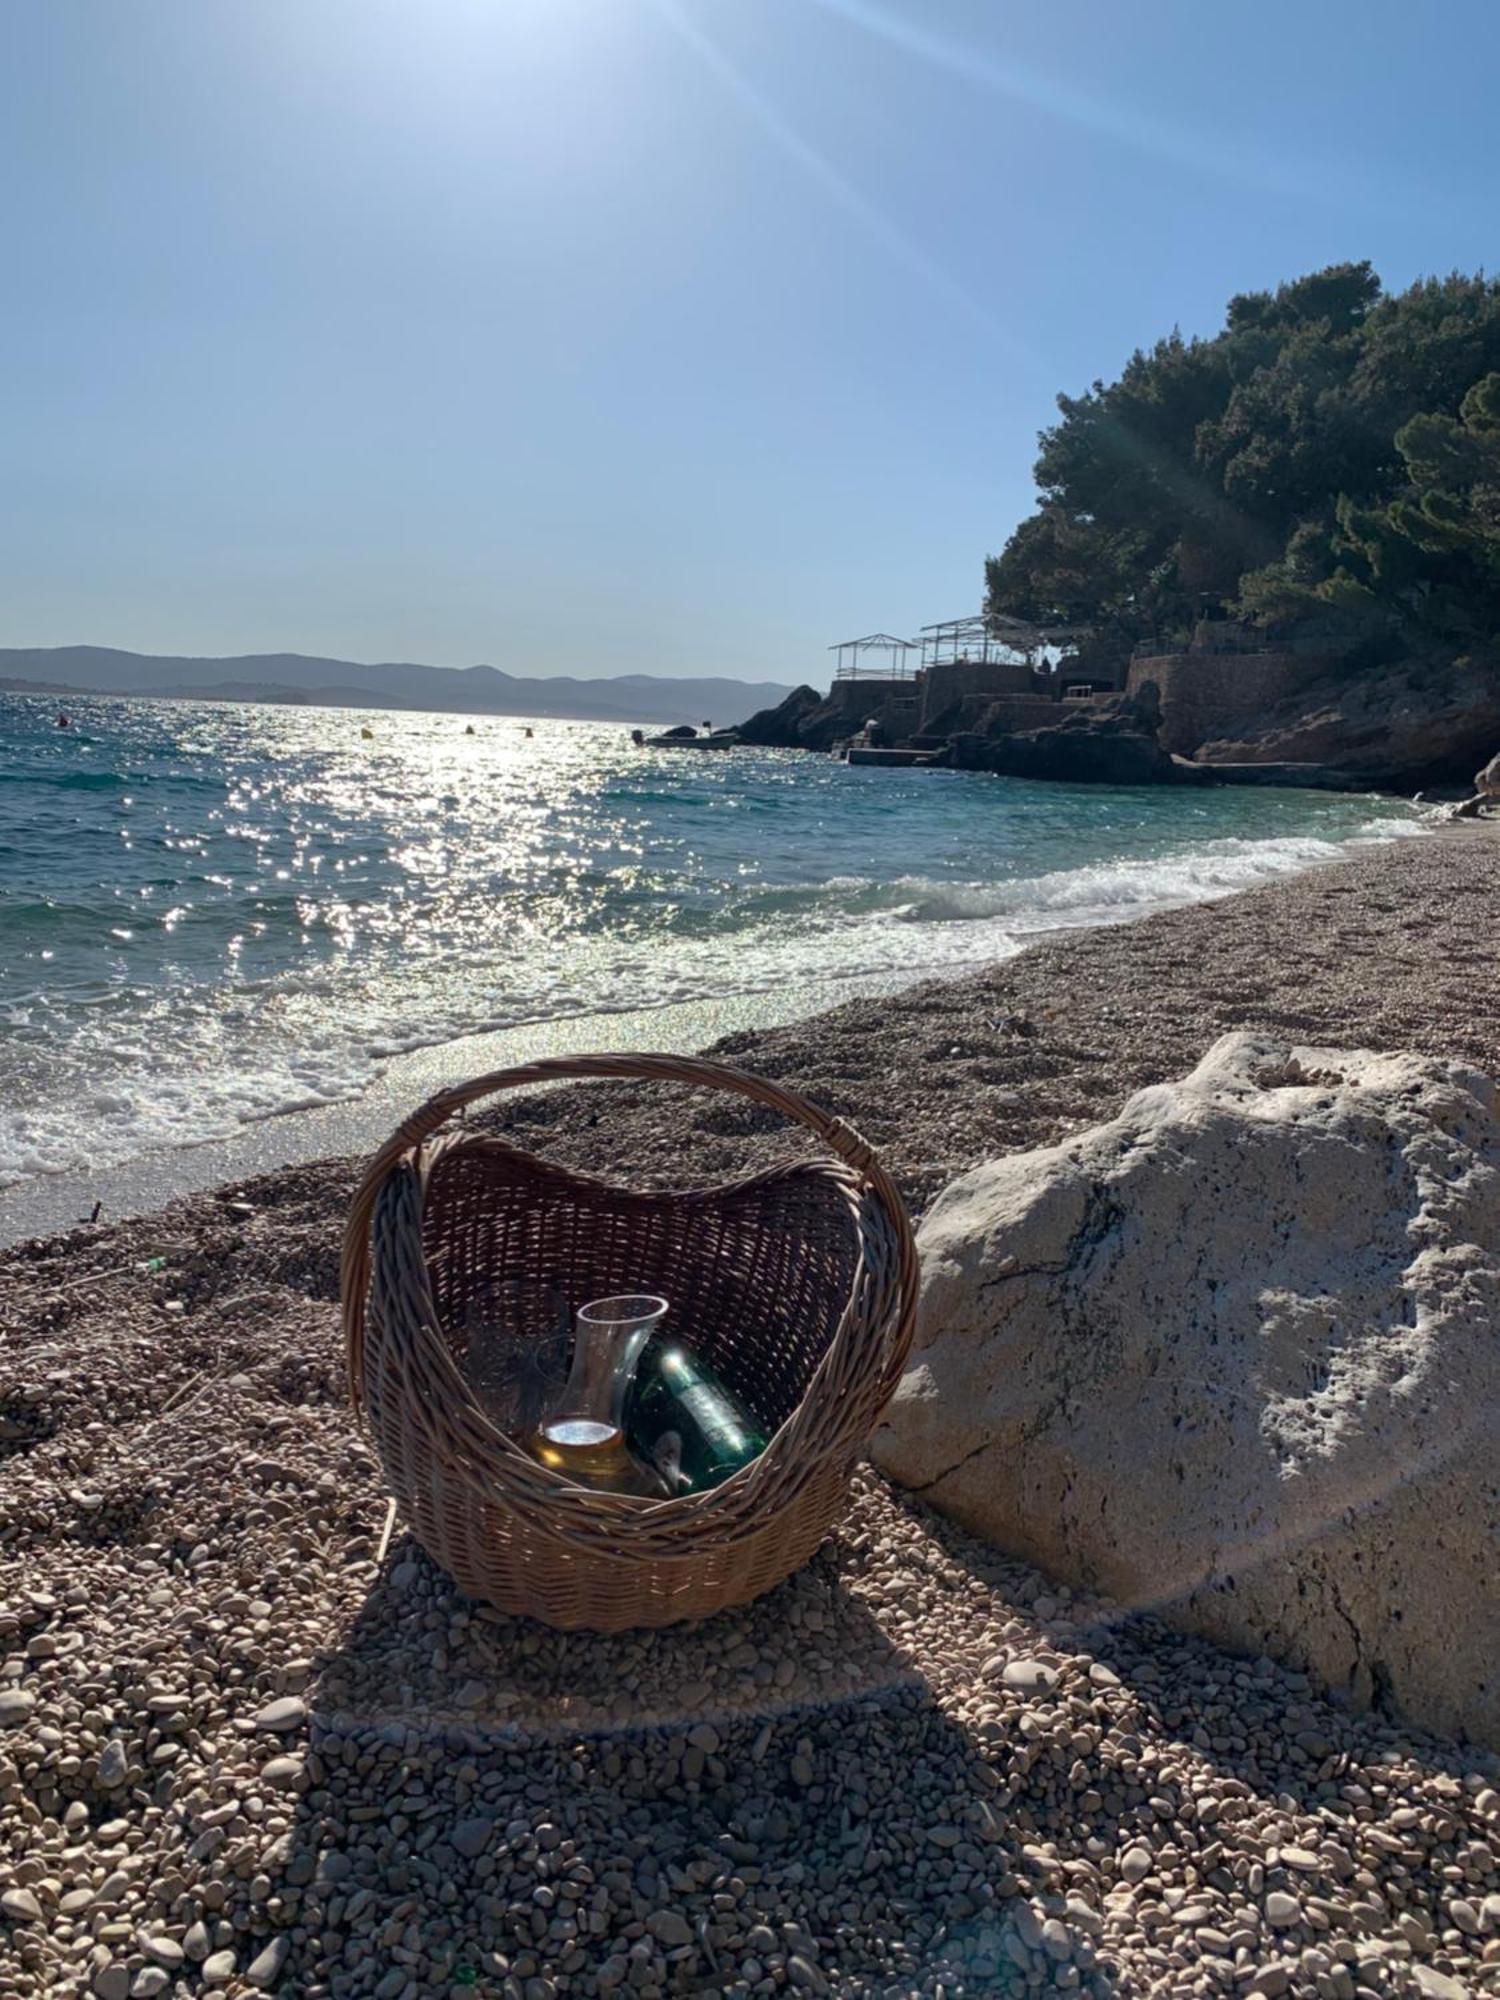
(518, 672)
(676, 337)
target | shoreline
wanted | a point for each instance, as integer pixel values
(46, 1204)
(219, 1683)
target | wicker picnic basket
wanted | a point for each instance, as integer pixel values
(799, 1283)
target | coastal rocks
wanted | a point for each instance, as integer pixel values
(781, 728)
(1233, 1356)
(1105, 743)
(1412, 723)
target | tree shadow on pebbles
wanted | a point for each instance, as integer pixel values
(776, 1795)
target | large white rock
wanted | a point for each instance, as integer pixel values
(1235, 1356)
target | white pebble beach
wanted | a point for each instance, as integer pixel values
(241, 1751)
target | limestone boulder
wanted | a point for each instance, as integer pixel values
(1235, 1357)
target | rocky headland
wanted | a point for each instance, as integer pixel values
(1216, 715)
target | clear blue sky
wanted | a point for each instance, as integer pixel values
(615, 335)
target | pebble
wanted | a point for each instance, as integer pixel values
(162, 1951)
(20, 1906)
(218, 1968)
(281, 1716)
(265, 1968)
(1435, 1985)
(1057, 1940)
(1282, 1910)
(1029, 1676)
(114, 1765)
(470, 1837)
(16, 1705)
(1300, 1857)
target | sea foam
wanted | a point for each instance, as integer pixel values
(214, 915)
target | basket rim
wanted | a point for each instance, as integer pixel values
(429, 1153)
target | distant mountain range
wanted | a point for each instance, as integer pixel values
(306, 681)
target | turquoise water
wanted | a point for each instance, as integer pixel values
(211, 913)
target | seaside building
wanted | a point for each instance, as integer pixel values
(958, 674)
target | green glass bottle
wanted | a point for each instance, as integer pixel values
(682, 1418)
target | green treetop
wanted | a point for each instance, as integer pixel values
(1334, 451)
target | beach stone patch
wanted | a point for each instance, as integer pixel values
(1232, 1356)
(871, 1667)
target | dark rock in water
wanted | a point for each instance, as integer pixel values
(780, 728)
(1107, 743)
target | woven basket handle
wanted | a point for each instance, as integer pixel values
(839, 1138)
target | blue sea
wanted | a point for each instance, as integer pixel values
(213, 913)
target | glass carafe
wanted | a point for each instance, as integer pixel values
(518, 1335)
(583, 1435)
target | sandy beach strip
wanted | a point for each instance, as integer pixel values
(237, 1754)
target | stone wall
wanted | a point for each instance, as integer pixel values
(953, 680)
(1211, 694)
(855, 701)
(1022, 711)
